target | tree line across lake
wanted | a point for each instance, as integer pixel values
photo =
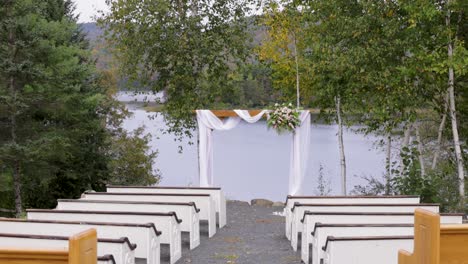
(397, 67)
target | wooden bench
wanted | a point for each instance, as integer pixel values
(121, 249)
(435, 243)
(204, 202)
(310, 219)
(145, 236)
(322, 231)
(187, 212)
(82, 249)
(291, 200)
(167, 223)
(297, 212)
(364, 250)
(216, 193)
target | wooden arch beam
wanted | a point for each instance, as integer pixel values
(231, 113)
(253, 112)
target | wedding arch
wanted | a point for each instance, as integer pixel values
(211, 120)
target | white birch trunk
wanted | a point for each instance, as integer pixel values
(404, 144)
(439, 133)
(420, 150)
(341, 145)
(296, 59)
(453, 115)
(388, 164)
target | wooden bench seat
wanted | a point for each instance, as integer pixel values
(311, 218)
(145, 236)
(187, 212)
(322, 231)
(204, 202)
(167, 223)
(291, 200)
(435, 243)
(216, 193)
(297, 212)
(82, 249)
(121, 249)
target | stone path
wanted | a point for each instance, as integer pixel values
(253, 235)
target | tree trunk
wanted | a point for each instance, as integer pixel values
(296, 59)
(13, 93)
(453, 115)
(341, 145)
(439, 134)
(404, 144)
(420, 150)
(388, 176)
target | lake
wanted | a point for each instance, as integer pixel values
(251, 161)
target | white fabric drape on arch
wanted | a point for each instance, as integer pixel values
(207, 122)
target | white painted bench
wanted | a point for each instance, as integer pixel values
(291, 200)
(216, 193)
(145, 236)
(365, 250)
(322, 231)
(310, 219)
(167, 223)
(122, 250)
(297, 212)
(204, 202)
(188, 212)
(106, 259)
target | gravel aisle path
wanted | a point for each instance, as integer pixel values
(253, 235)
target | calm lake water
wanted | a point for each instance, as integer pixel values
(251, 161)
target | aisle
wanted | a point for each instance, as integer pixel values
(253, 235)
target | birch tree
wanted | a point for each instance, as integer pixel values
(283, 48)
(452, 108)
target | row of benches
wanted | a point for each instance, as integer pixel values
(355, 229)
(131, 222)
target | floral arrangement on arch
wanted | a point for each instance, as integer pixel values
(283, 118)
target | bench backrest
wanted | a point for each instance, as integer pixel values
(204, 202)
(365, 250)
(290, 200)
(371, 218)
(164, 222)
(391, 208)
(144, 235)
(323, 231)
(185, 211)
(82, 249)
(216, 193)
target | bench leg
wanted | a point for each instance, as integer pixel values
(222, 212)
(195, 232)
(288, 223)
(294, 235)
(305, 251)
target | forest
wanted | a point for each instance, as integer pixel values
(398, 68)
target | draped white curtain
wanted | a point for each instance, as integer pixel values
(207, 122)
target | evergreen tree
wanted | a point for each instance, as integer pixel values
(55, 141)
